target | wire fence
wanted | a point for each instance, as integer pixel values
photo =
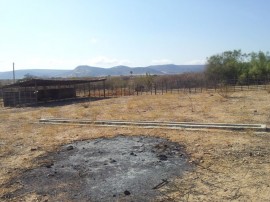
(172, 87)
(161, 87)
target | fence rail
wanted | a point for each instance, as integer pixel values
(159, 86)
(160, 90)
(164, 87)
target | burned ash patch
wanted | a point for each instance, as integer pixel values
(108, 169)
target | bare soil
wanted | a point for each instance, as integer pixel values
(228, 166)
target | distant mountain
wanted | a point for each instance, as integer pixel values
(44, 73)
(82, 71)
(87, 71)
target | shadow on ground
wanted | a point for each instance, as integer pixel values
(57, 103)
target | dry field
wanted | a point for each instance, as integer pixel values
(230, 166)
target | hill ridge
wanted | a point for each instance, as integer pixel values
(86, 70)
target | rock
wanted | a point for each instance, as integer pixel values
(49, 165)
(70, 147)
(113, 161)
(133, 154)
(33, 149)
(127, 193)
(162, 157)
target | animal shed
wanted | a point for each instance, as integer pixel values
(43, 90)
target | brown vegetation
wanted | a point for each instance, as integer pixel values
(230, 165)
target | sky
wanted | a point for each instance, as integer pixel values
(63, 34)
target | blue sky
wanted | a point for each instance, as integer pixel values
(62, 34)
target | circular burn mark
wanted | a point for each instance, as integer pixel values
(108, 169)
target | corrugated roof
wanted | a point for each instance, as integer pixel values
(51, 82)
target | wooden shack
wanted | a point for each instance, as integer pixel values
(35, 91)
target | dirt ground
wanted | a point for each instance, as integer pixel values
(229, 165)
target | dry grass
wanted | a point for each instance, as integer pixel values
(244, 107)
(230, 165)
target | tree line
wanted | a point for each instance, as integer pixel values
(230, 67)
(236, 67)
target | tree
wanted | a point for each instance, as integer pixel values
(237, 67)
(28, 76)
(259, 65)
(226, 66)
(147, 80)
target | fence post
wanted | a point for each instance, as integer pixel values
(36, 91)
(104, 91)
(89, 90)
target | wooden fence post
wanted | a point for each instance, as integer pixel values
(104, 90)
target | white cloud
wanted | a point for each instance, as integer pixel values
(103, 61)
(161, 62)
(195, 62)
(39, 63)
(61, 63)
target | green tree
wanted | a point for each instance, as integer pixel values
(259, 65)
(226, 66)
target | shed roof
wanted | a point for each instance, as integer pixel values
(51, 82)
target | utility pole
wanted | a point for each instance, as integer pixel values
(13, 72)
